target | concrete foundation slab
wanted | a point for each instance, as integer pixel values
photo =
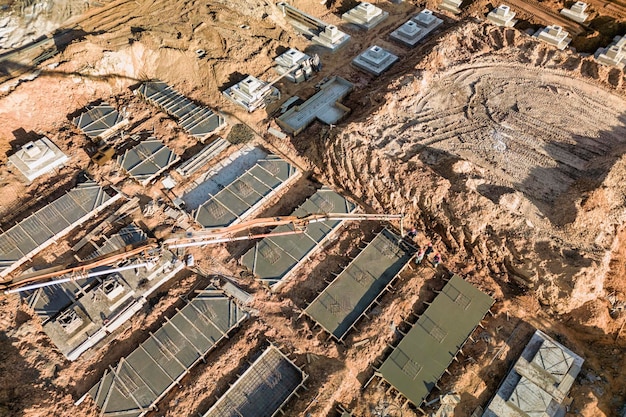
(317, 31)
(42, 228)
(331, 37)
(147, 160)
(539, 381)
(365, 15)
(576, 12)
(502, 16)
(138, 382)
(37, 158)
(375, 60)
(452, 6)
(323, 106)
(427, 19)
(263, 389)
(554, 35)
(198, 121)
(251, 93)
(426, 351)
(340, 305)
(101, 305)
(286, 61)
(417, 28)
(100, 121)
(614, 54)
(273, 259)
(409, 33)
(246, 193)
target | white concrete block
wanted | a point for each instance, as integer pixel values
(502, 16)
(38, 158)
(375, 60)
(554, 35)
(576, 12)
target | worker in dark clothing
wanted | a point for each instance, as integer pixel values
(436, 260)
(429, 249)
(412, 233)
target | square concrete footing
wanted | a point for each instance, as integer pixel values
(331, 37)
(416, 29)
(614, 54)
(576, 12)
(554, 35)
(502, 16)
(375, 60)
(365, 15)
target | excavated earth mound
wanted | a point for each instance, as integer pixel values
(514, 156)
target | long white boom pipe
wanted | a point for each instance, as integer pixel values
(222, 236)
(62, 280)
(207, 241)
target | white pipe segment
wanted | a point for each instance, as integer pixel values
(62, 280)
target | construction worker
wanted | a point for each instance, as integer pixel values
(420, 256)
(436, 260)
(429, 249)
(412, 233)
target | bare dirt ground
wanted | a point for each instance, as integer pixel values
(505, 153)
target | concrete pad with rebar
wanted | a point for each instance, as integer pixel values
(342, 304)
(42, 228)
(100, 121)
(138, 382)
(273, 259)
(199, 121)
(246, 193)
(147, 160)
(263, 389)
(417, 363)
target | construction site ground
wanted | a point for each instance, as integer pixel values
(505, 153)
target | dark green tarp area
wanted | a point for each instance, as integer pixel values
(262, 389)
(343, 302)
(422, 356)
(272, 258)
(245, 192)
(140, 380)
(199, 121)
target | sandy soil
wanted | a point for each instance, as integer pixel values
(505, 153)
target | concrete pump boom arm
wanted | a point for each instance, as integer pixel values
(196, 238)
(82, 267)
(224, 234)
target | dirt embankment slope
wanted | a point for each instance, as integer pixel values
(503, 148)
